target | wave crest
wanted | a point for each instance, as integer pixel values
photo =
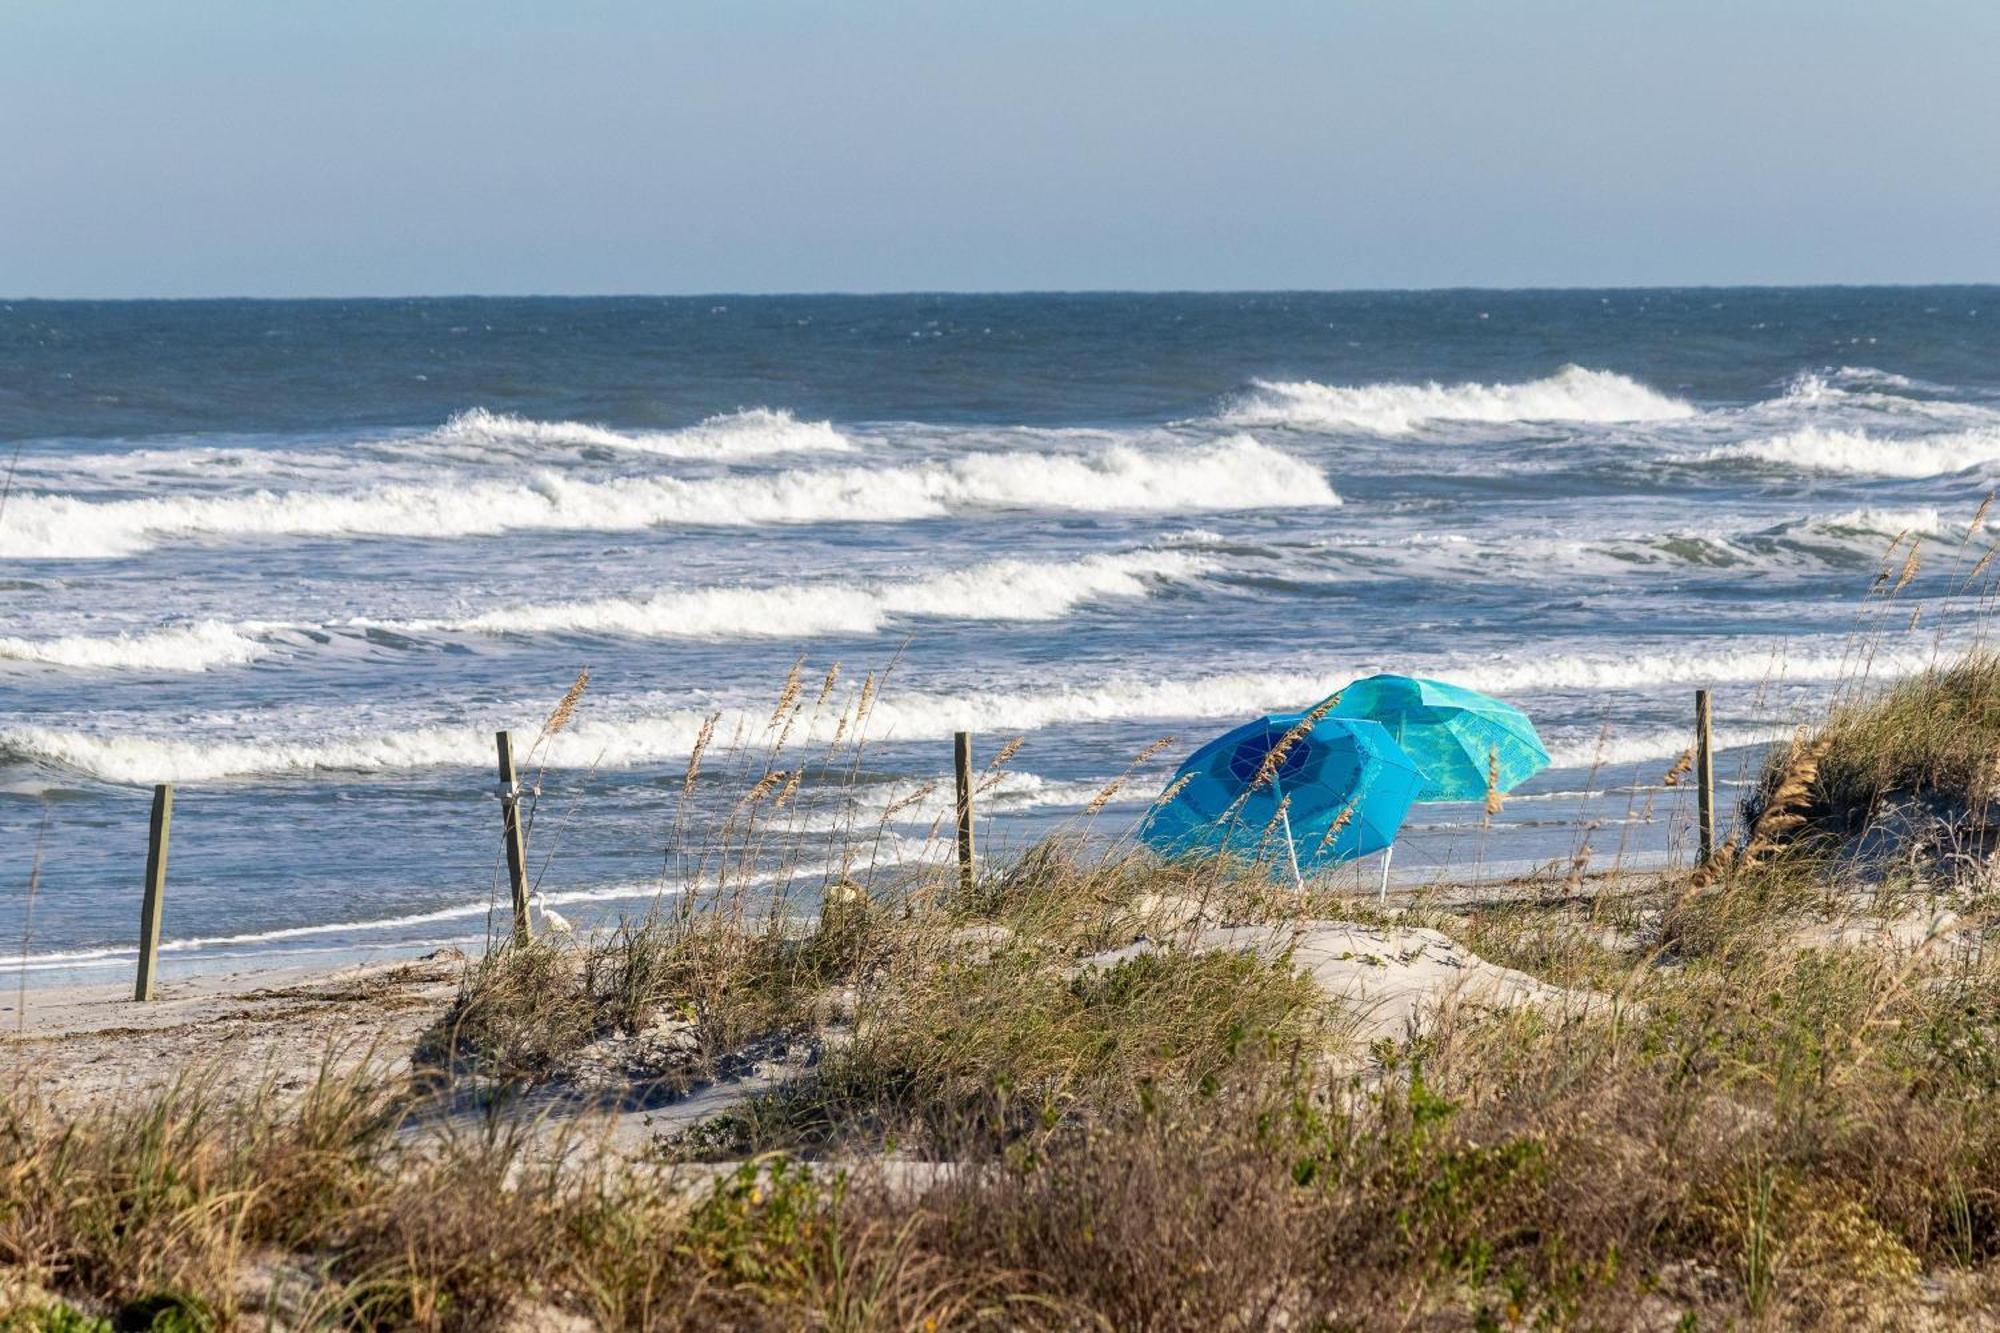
(197, 647)
(1571, 394)
(1857, 453)
(631, 735)
(1236, 472)
(754, 432)
(1003, 590)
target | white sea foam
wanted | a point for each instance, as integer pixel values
(1859, 453)
(632, 734)
(755, 432)
(1004, 590)
(1571, 394)
(1847, 539)
(1636, 746)
(931, 802)
(999, 590)
(1837, 400)
(197, 647)
(1919, 520)
(1232, 473)
(1875, 379)
(1524, 673)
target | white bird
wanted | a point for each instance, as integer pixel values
(552, 920)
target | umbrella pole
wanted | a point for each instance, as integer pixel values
(1388, 855)
(1291, 849)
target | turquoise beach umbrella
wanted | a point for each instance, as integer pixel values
(1464, 741)
(1337, 789)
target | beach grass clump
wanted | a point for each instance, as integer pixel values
(1017, 1136)
(966, 1057)
(1934, 736)
(151, 1209)
(522, 1012)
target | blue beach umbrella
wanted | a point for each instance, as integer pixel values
(1465, 742)
(1320, 790)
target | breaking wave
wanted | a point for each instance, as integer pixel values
(1584, 751)
(755, 432)
(1856, 452)
(1850, 540)
(197, 647)
(626, 736)
(997, 590)
(1870, 377)
(1571, 394)
(1641, 669)
(1232, 473)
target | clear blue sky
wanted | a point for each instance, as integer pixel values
(293, 147)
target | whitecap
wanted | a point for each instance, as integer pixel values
(754, 432)
(1236, 472)
(1855, 452)
(198, 647)
(632, 733)
(1571, 394)
(999, 590)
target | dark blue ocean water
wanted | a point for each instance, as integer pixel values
(303, 558)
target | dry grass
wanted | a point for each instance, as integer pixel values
(1758, 1135)
(1003, 1130)
(1935, 735)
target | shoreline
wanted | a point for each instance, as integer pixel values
(188, 959)
(254, 1018)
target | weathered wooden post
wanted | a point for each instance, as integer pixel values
(156, 889)
(961, 762)
(1704, 771)
(510, 832)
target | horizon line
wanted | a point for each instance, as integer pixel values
(838, 293)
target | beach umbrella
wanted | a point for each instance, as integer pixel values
(1313, 789)
(1467, 743)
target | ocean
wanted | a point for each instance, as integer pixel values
(303, 558)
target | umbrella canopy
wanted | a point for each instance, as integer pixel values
(1464, 741)
(1344, 786)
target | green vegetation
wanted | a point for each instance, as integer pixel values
(1933, 736)
(1754, 1133)
(1051, 1103)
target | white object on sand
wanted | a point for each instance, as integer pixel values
(551, 919)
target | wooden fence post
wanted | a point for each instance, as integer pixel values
(961, 762)
(156, 889)
(1704, 773)
(510, 832)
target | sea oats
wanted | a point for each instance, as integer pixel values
(1789, 795)
(1340, 822)
(826, 686)
(1103, 797)
(790, 693)
(1910, 565)
(1682, 767)
(701, 740)
(763, 786)
(565, 708)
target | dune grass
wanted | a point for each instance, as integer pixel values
(1756, 1134)
(1932, 736)
(1038, 1105)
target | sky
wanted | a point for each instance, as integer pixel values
(302, 148)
